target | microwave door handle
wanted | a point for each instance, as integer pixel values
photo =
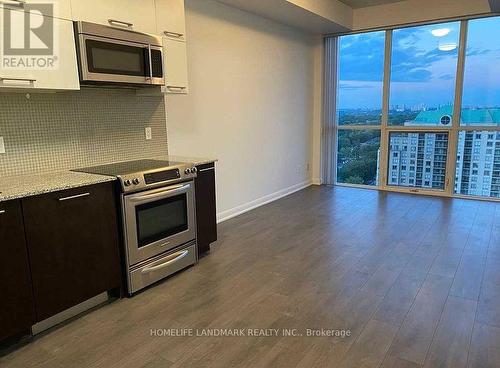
(150, 57)
(170, 191)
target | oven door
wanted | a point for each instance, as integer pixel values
(158, 220)
(104, 60)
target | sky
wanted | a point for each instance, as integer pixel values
(423, 66)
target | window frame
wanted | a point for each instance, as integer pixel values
(453, 130)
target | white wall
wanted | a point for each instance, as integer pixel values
(251, 104)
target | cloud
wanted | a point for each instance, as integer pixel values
(355, 87)
(477, 52)
(362, 57)
(446, 77)
(406, 67)
(413, 56)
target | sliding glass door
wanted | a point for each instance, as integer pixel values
(418, 109)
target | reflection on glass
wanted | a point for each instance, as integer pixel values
(423, 72)
(357, 159)
(361, 70)
(481, 96)
(478, 164)
(418, 160)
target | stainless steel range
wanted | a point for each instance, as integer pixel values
(159, 220)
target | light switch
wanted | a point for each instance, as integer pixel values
(2, 145)
(149, 133)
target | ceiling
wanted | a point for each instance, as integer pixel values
(364, 3)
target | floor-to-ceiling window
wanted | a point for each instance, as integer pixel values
(359, 107)
(423, 72)
(478, 142)
(418, 108)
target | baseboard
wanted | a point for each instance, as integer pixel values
(238, 210)
(316, 181)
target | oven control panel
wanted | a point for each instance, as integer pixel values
(156, 178)
(159, 176)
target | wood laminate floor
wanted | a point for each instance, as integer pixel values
(415, 281)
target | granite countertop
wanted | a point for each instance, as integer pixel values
(20, 186)
(191, 160)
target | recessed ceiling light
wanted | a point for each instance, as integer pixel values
(440, 32)
(447, 46)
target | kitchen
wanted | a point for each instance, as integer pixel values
(161, 164)
(93, 208)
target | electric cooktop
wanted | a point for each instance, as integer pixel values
(144, 174)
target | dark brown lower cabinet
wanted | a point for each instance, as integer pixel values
(16, 296)
(73, 247)
(206, 212)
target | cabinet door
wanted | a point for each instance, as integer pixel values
(170, 19)
(16, 306)
(72, 240)
(175, 66)
(64, 74)
(50, 8)
(206, 217)
(136, 15)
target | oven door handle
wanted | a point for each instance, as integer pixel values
(170, 191)
(177, 257)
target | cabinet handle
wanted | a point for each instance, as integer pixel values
(120, 23)
(74, 197)
(178, 88)
(30, 80)
(207, 169)
(172, 34)
(2, 212)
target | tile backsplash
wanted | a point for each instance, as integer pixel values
(68, 130)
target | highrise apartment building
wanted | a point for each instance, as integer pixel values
(418, 159)
(478, 164)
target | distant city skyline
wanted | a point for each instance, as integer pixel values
(423, 67)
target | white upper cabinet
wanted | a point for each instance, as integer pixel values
(170, 19)
(50, 8)
(175, 66)
(57, 70)
(171, 24)
(136, 15)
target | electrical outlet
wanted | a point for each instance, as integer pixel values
(149, 133)
(2, 145)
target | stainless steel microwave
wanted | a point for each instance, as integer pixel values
(109, 55)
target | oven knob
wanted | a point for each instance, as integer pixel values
(136, 181)
(194, 170)
(127, 182)
(187, 171)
